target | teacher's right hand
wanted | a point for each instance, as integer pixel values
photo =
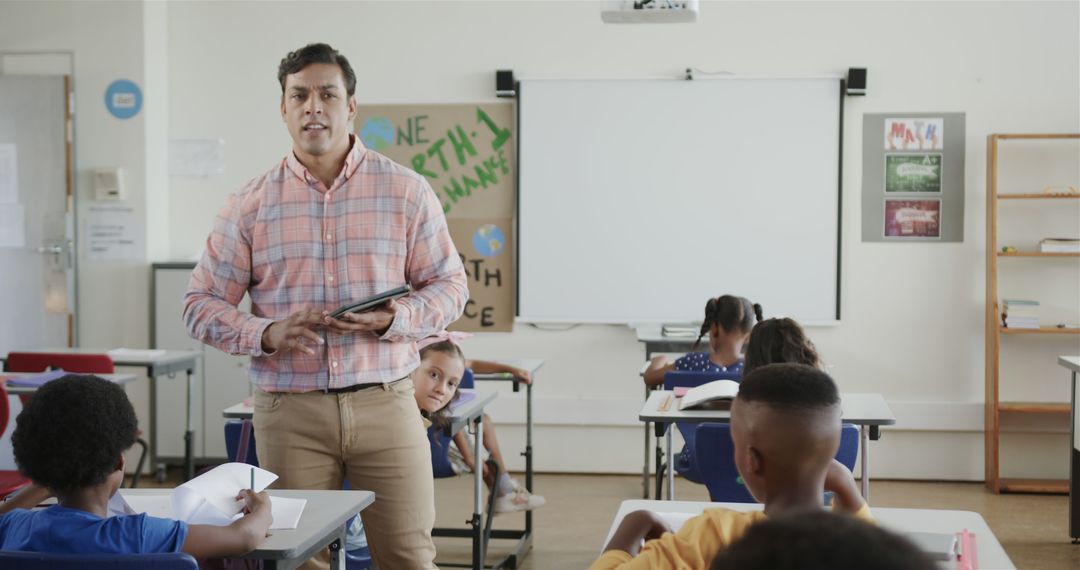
(294, 332)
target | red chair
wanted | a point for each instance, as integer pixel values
(10, 480)
(70, 362)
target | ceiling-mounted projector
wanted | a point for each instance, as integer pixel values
(649, 11)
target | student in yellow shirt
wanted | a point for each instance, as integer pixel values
(821, 541)
(785, 424)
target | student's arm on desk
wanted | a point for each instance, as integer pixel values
(634, 529)
(28, 497)
(489, 367)
(240, 537)
(846, 496)
(658, 366)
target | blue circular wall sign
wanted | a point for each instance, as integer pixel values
(123, 99)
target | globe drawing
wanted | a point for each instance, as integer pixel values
(489, 240)
(377, 133)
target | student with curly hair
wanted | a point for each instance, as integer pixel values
(70, 440)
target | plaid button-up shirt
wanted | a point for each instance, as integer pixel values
(291, 243)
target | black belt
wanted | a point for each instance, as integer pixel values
(358, 387)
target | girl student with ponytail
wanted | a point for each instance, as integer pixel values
(779, 339)
(728, 322)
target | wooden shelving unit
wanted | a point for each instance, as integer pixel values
(995, 408)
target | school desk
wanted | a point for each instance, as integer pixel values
(866, 410)
(470, 412)
(988, 550)
(523, 537)
(158, 363)
(1073, 364)
(321, 525)
(24, 390)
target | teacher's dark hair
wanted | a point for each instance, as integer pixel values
(731, 313)
(316, 53)
(72, 432)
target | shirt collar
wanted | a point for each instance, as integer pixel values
(355, 156)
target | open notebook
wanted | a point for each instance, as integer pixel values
(210, 499)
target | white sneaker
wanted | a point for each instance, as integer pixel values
(519, 500)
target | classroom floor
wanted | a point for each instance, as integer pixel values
(569, 529)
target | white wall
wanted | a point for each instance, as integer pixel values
(912, 326)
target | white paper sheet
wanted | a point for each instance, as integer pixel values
(211, 498)
(136, 353)
(9, 174)
(113, 232)
(12, 226)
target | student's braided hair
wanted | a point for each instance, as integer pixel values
(731, 313)
(779, 340)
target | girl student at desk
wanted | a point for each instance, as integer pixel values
(728, 321)
(435, 382)
(442, 364)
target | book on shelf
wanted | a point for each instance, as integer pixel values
(715, 395)
(1059, 245)
(684, 331)
(1020, 314)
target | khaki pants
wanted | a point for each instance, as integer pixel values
(375, 439)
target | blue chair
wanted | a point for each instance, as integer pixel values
(684, 462)
(237, 445)
(716, 460)
(50, 561)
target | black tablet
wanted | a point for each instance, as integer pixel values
(372, 302)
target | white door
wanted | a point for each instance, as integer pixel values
(36, 209)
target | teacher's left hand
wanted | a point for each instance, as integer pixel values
(375, 320)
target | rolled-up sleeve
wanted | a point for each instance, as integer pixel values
(434, 269)
(219, 282)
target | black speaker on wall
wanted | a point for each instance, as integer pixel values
(856, 81)
(504, 83)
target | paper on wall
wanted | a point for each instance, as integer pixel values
(9, 174)
(12, 226)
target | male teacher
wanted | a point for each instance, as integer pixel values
(330, 224)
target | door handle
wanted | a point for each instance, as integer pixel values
(53, 249)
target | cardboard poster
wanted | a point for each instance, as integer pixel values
(488, 256)
(465, 152)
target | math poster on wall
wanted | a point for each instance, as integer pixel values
(465, 152)
(913, 177)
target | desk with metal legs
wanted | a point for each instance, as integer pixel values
(652, 335)
(468, 415)
(989, 552)
(1073, 364)
(322, 525)
(523, 537)
(157, 363)
(868, 411)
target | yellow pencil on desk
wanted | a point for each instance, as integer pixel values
(666, 404)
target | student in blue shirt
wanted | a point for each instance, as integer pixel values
(728, 321)
(70, 440)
